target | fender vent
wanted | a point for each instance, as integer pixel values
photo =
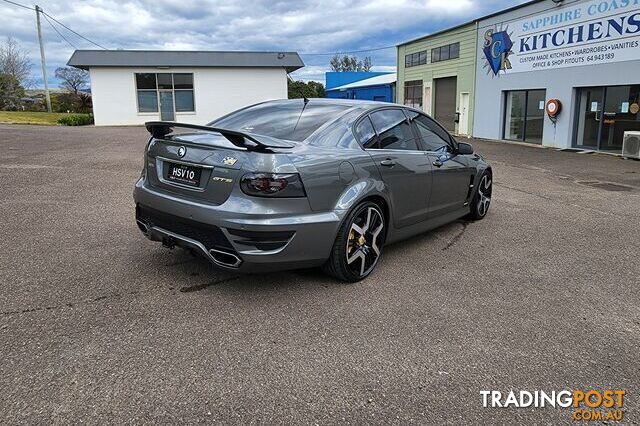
(470, 191)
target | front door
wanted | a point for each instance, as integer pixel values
(167, 111)
(589, 116)
(445, 92)
(450, 187)
(403, 166)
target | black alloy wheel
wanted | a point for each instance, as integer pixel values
(358, 246)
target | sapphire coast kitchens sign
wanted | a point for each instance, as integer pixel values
(587, 33)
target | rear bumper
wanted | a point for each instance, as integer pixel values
(242, 234)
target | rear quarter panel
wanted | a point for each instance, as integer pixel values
(336, 178)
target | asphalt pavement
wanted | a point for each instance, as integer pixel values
(100, 325)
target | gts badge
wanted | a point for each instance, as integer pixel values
(229, 161)
(221, 179)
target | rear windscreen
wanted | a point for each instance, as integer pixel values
(281, 120)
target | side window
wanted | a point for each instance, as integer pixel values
(433, 137)
(393, 130)
(366, 135)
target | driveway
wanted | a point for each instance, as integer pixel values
(99, 325)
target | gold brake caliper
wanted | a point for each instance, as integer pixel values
(350, 243)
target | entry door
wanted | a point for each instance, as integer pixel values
(167, 111)
(590, 108)
(445, 93)
(464, 114)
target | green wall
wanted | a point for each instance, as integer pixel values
(463, 68)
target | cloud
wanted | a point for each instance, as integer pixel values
(306, 26)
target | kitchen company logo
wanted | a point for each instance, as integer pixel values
(586, 405)
(497, 48)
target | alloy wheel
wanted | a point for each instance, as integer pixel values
(365, 240)
(484, 195)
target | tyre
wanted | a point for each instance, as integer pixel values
(358, 245)
(482, 197)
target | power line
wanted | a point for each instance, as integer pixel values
(349, 51)
(59, 34)
(470, 30)
(74, 32)
(45, 14)
(18, 4)
(375, 49)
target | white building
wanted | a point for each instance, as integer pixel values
(131, 87)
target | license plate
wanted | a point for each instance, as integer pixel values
(186, 175)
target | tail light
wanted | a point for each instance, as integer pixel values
(273, 185)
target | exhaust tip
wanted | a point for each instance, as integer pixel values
(225, 258)
(143, 227)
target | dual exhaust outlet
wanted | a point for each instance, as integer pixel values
(220, 257)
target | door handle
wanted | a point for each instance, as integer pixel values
(388, 162)
(437, 163)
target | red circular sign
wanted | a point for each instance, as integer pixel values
(553, 107)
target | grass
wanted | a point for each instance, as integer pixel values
(29, 117)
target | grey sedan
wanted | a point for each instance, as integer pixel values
(306, 183)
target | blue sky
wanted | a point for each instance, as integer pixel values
(281, 25)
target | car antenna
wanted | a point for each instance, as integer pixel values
(306, 101)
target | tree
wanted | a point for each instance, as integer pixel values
(300, 89)
(349, 63)
(15, 62)
(10, 92)
(366, 64)
(72, 79)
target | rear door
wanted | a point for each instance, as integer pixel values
(452, 175)
(405, 168)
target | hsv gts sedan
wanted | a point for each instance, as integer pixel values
(306, 183)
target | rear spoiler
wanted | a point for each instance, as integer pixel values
(250, 141)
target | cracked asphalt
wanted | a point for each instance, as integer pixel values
(99, 325)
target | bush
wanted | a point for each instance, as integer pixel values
(75, 120)
(70, 102)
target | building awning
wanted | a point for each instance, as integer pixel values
(86, 59)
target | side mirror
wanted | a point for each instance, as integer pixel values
(465, 148)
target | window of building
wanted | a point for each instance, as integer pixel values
(415, 59)
(444, 53)
(394, 131)
(149, 86)
(524, 117)
(413, 93)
